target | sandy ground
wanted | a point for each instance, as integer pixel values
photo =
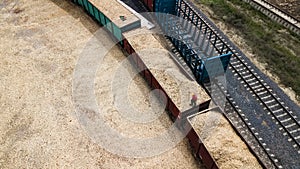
(238, 40)
(229, 151)
(41, 42)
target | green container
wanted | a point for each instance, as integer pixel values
(101, 18)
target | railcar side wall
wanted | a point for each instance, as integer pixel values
(198, 146)
(101, 18)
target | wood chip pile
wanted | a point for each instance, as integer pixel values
(38, 127)
(165, 70)
(226, 147)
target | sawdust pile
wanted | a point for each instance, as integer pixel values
(38, 127)
(164, 69)
(226, 147)
(111, 8)
(109, 88)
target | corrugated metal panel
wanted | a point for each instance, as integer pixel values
(191, 41)
(215, 66)
(165, 6)
(101, 18)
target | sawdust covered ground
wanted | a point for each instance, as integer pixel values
(40, 44)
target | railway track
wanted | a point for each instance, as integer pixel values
(232, 112)
(236, 117)
(245, 129)
(276, 14)
(287, 122)
(246, 75)
(272, 104)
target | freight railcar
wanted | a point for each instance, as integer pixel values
(203, 61)
(193, 38)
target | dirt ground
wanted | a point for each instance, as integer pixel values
(41, 41)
